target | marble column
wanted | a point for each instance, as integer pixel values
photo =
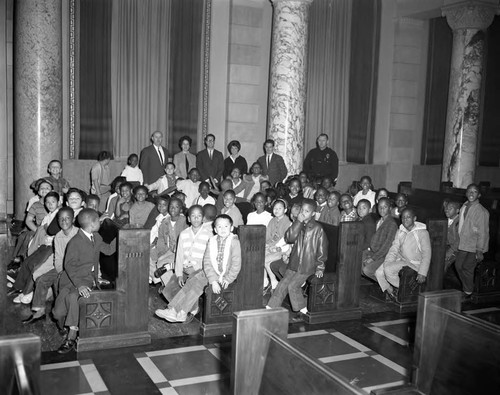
(288, 80)
(37, 93)
(468, 20)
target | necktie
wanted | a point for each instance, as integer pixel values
(161, 156)
(92, 239)
(187, 164)
(268, 160)
(210, 154)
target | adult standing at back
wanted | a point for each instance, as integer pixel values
(234, 159)
(209, 161)
(272, 164)
(153, 159)
(184, 160)
(321, 161)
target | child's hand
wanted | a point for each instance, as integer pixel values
(216, 287)
(421, 278)
(319, 273)
(278, 249)
(367, 261)
(300, 217)
(180, 281)
(224, 284)
(84, 291)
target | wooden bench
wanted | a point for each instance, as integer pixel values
(409, 289)
(243, 294)
(428, 204)
(119, 317)
(454, 354)
(263, 362)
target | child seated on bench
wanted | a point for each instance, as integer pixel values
(474, 234)
(140, 210)
(162, 208)
(331, 214)
(368, 220)
(190, 249)
(321, 197)
(308, 256)
(221, 265)
(231, 209)
(348, 213)
(401, 202)
(366, 191)
(451, 211)
(411, 247)
(260, 216)
(81, 268)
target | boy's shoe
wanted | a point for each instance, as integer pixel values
(67, 346)
(466, 297)
(169, 315)
(161, 271)
(299, 317)
(181, 316)
(17, 299)
(26, 299)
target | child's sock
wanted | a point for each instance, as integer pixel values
(304, 310)
(73, 330)
(266, 281)
(268, 308)
(274, 284)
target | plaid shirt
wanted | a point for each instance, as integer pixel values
(221, 244)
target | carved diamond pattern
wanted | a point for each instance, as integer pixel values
(325, 293)
(98, 315)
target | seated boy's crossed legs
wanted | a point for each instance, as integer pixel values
(290, 284)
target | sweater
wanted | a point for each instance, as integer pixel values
(231, 260)
(191, 248)
(474, 230)
(382, 239)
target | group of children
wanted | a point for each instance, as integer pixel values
(193, 243)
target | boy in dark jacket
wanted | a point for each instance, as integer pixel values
(308, 256)
(81, 268)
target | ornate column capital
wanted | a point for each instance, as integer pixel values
(307, 2)
(470, 14)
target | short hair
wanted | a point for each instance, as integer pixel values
(177, 196)
(165, 198)
(269, 141)
(386, 200)
(271, 194)
(52, 194)
(71, 190)
(223, 216)
(116, 181)
(346, 195)
(103, 155)
(410, 210)
(207, 136)
(322, 135)
(54, 161)
(368, 178)
(185, 138)
(86, 217)
(454, 203)
(295, 179)
(267, 182)
(68, 210)
(126, 184)
(380, 190)
(281, 201)
(175, 200)
(92, 197)
(309, 202)
(230, 192)
(321, 189)
(203, 184)
(258, 194)
(234, 143)
(253, 165)
(226, 181)
(335, 193)
(209, 212)
(193, 170)
(130, 157)
(139, 187)
(366, 202)
(473, 186)
(400, 194)
(35, 185)
(194, 207)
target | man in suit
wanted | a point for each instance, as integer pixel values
(153, 159)
(272, 164)
(209, 161)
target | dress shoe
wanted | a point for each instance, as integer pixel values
(67, 346)
(63, 332)
(161, 271)
(299, 317)
(24, 299)
(33, 318)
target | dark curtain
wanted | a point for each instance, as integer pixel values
(490, 138)
(436, 100)
(365, 34)
(185, 70)
(95, 85)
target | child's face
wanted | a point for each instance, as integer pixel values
(256, 170)
(383, 209)
(204, 191)
(382, 194)
(75, 201)
(93, 204)
(365, 184)
(307, 211)
(321, 196)
(169, 170)
(236, 174)
(363, 210)
(279, 210)
(400, 201)
(408, 220)
(472, 194)
(162, 206)
(294, 187)
(95, 225)
(294, 212)
(346, 203)
(451, 211)
(55, 169)
(225, 185)
(117, 187)
(133, 161)
(65, 220)
(140, 195)
(125, 192)
(43, 189)
(333, 201)
(174, 209)
(327, 183)
(264, 186)
(228, 200)
(223, 227)
(51, 204)
(196, 218)
(303, 178)
(194, 175)
(259, 203)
